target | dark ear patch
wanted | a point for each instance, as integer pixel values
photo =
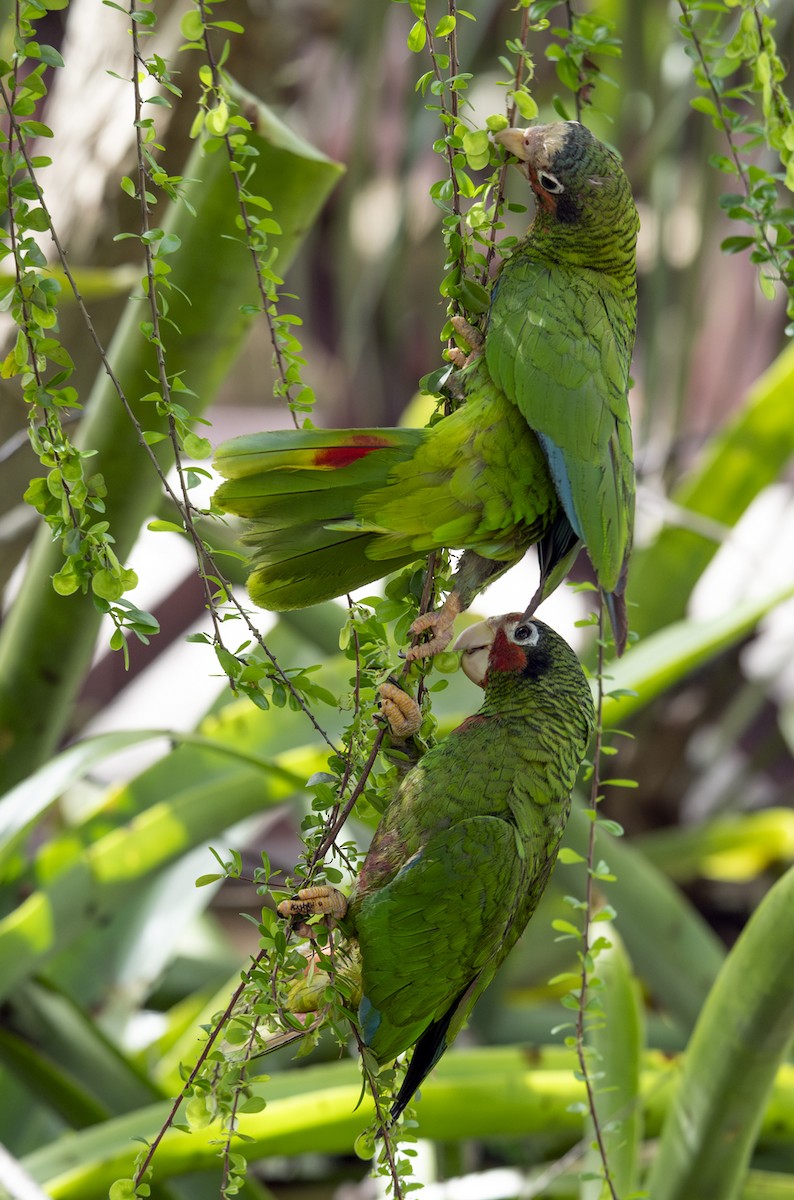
(568, 210)
(538, 663)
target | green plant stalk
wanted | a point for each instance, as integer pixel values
(474, 1093)
(47, 640)
(767, 1185)
(734, 847)
(745, 457)
(742, 1035)
(618, 1042)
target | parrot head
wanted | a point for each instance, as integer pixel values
(513, 649)
(578, 182)
(508, 644)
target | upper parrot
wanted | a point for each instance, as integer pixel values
(539, 453)
(464, 850)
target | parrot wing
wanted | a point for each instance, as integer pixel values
(430, 934)
(554, 345)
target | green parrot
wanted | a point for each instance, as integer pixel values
(539, 453)
(464, 850)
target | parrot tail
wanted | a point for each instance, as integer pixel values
(557, 552)
(427, 1051)
(298, 491)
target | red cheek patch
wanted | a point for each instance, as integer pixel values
(359, 446)
(505, 655)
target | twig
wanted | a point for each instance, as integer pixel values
(589, 903)
(451, 111)
(211, 1040)
(329, 839)
(499, 198)
(232, 1119)
(726, 129)
(577, 96)
(186, 507)
(246, 218)
(381, 1120)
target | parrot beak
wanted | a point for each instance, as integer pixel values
(514, 141)
(475, 647)
(526, 144)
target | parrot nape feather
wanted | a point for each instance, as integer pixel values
(539, 452)
(464, 849)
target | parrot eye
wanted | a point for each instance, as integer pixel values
(526, 635)
(550, 183)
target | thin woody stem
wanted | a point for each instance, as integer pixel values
(588, 912)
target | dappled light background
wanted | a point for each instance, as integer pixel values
(365, 285)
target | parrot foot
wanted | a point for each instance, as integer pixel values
(403, 714)
(440, 625)
(473, 338)
(306, 995)
(313, 902)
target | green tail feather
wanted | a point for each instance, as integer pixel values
(295, 489)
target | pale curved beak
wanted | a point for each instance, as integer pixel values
(515, 141)
(475, 647)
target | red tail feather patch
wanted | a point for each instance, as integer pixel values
(359, 445)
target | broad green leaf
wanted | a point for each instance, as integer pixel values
(59, 1052)
(664, 658)
(741, 1037)
(747, 455)
(97, 880)
(618, 1045)
(734, 847)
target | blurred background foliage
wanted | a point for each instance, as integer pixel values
(110, 958)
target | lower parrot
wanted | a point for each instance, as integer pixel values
(539, 453)
(465, 848)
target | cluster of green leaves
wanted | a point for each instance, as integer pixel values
(573, 48)
(737, 66)
(69, 497)
(470, 206)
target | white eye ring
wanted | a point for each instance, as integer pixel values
(526, 633)
(550, 183)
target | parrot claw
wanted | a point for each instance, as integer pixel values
(440, 624)
(458, 358)
(473, 338)
(313, 902)
(401, 711)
